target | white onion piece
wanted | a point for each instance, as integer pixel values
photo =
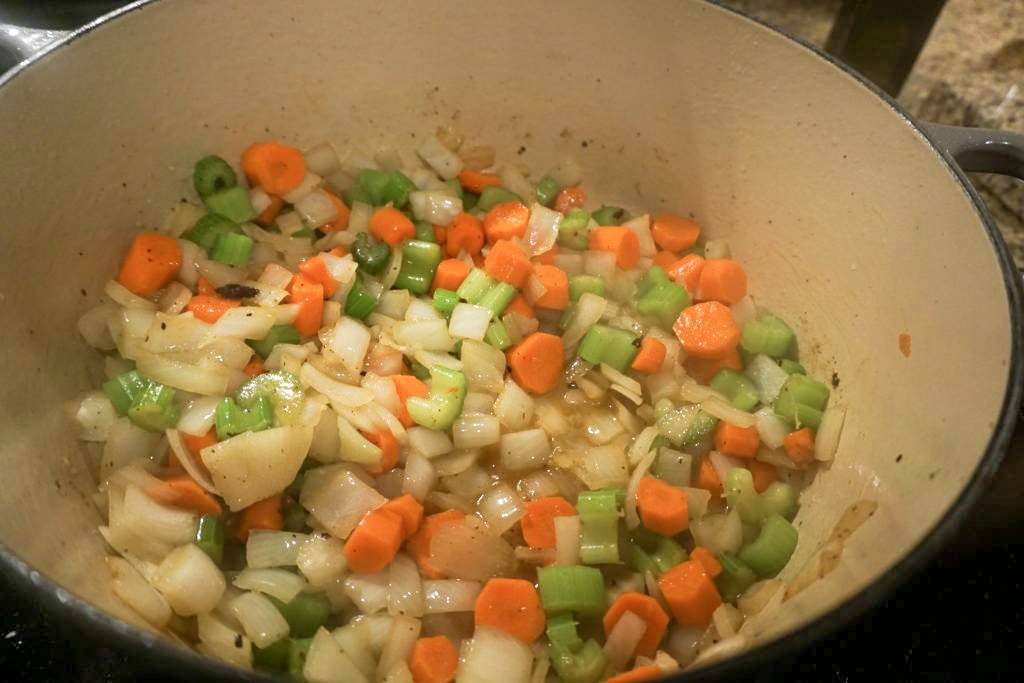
(125, 443)
(476, 430)
(337, 498)
(394, 303)
(600, 263)
(430, 335)
(642, 444)
(439, 207)
(623, 639)
(405, 587)
(466, 549)
(723, 463)
(262, 621)
(321, 559)
(589, 309)
(601, 427)
(771, 428)
(359, 217)
(541, 230)
(469, 321)
(727, 620)
(430, 443)
(316, 209)
(188, 462)
(572, 264)
(270, 548)
(354, 639)
(280, 583)
(309, 182)
(397, 649)
(767, 376)
(567, 540)
(337, 392)
(455, 462)
(205, 379)
(826, 441)
(146, 517)
(642, 467)
(368, 592)
(716, 407)
(123, 297)
(133, 589)
(95, 416)
(189, 580)
(197, 416)
(449, 595)
(255, 465)
(350, 340)
(641, 225)
(445, 163)
(501, 507)
(469, 483)
(327, 663)
(513, 179)
(94, 326)
(419, 476)
(322, 159)
(513, 407)
(718, 532)
(483, 365)
(538, 484)
(524, 450)
(493, 656)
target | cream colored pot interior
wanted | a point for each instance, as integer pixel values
(849, 225)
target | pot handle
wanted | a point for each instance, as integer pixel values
(22, 42)
(983, 150)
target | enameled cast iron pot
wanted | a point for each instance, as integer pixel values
(853, 225)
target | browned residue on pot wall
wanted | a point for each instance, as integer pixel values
(905, 344)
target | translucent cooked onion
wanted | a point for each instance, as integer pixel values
(642, 467)
(316, 209)
(310, 182)
(95, 416)
(269, 548)
(190, 581)
(405, 587)
(469, 321)
(337, 499)
(541, 230)
(262, 621)
(449, 595)
(350, 340)
(131, 587)
(429, 443)
(197, 416)
(717, 407)
(283, 585)
(493, 656)
(445, 163)
(121, 296)
(641, 226)
(336, 391)
(771, 428)
(483, 365)
(419, 476)
(501, 507)
(188, 461)
(524, 450)
(538, 484)
(326, 662)
(718, 532)
(600, 263)
(466, 549)
(513, 407)
(476, 430)
(244, 322)
(255, 465)
(398, 647)
(146, 517)
(94, 326)
(767, 376)
(623, 639)
(826, 441)
(320, 558)
(368, 592)
(440, 207)
(589, 309)
(322, 159)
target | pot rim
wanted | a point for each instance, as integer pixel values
(164, 655)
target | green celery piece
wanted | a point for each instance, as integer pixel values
(572, 588)
(212, 174)
(585, 283)
(792, 367)
(425, 231)
(273, 657)
(497, 298)
(801, 401)
(397, 189)
(546, 191)
(494, 195)
(768, 334)
(573, 232)
(700, 429)
(740, 493)
(456, 187)
(672, 466)
(439, 409)
(736, 577)
(445, 301)
(735, 386)
(419, 261)
(297, 657)
(359, 303)
(210, 536)
(604, 344)
(640, 560)
(232, 249)
(278, 334)
(667, 554)
(305, 613)
(233, 203)
(475, 286)
(611, 215)
(355, 194)
(561, 629)
(282, 389)
(210, 227)
(229, 419)
(123, 389)
(418, 370)
(599, 513)
(772, 548)
(497, 335)
(664, 301)
(584, 666)
(371, 255)
(654, 276)
(153, 409)
(779, 499)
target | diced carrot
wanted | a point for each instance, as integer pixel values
(674, 233)
(309, 294)
(506, 261)
(390, 225)
(704, 369)
(338, 251)
(570, 198)
(197, 443)
(419, 543)
(450, 273)
(722, 280)
(254, 366)
(538, 524)
(205, 288)
(275, 167)
(710, 563)
(799, 445)
(511, 605)
(506, 221)
(341, 222)
(548, 257)
(707, 330)
(152, 261)
(739, 442)
(477, 182)
(315, 269)
(619, 240)
(519, 305)
(707, 477)
(556, 284)
(663, 508)
(269, 214)
(187, 494)
(409, 510)
(441, 234)
(388, 445)
(690, 593)
(686, 272)
(209, 309)
(665, 260)
(464, 233)
(650, 357)
(647, 672)
(406, 386)
(648, 609)
(374, 542)
(478, 260)
(433, 660)
(537, 362)
(263, 514)
(762, 473)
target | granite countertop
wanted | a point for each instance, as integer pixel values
(959, 619)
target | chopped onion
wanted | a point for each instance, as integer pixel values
(572, 264)
(469, 321)
(337, 498)
(316, 209)
(146, 517)
(95, 416)
(727, 620)
(826, 441)
(398, 646)
(445, 163)
(262, 622)
(718, 532)
(255, 465)
(767, 376)
(723, 463)
(440, 207)
(123, 297)
(368, 592)
(133, 589)
(466, 549)
(419, 476)
(311, 181)
(394, 303)
(493, 656)
(598, 467)
(280, 583)
(197, 416)
(589, 309)
(354, 639)
(125, 443)
(641, 225)
(513, 179)
(431, 335)
(350, 340)
(501, 507)
(483, 365)
(205, 379)
(567, 540)
(94, 326)
(449, 595)
(623, 639)
(359, 217)
(455, 462)
(602, 427)
(541, 230)
(405, 588)
(600, 263)
(551, 418)
(430, 443)
(270, 548)
(771, 428)
(219, 641)
(469, 483)
(188, 461)
(384, 360)
(682, 642)
(642, 444)
(189, 580)
(632, 517)
(421, 309)
(476, 430)
(524, 450)
(325, 662)
(513, 407)
(320, 558)
(717, 407)
(322, 159)
(538, 484)
(338, 392)
(478, 402)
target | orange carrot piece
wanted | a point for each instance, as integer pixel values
(548, 257)
(254, 366)
(344, 213)
(519, 305)
(707, 330)
(205, 288)
(704, 369)
(374, 542)
(450, 273)
(315, 269)
(409, 510)
(674, 233)
(433, 660)
(570, 198)
(309, 294)
(390, 225)
(648, 609)
(690, 593)
(388, 445)
(739, 442)
(707, 477)
(194, 444)
(762, 473)
(538, 524)
(799, 445)
(419, 543)
(665, 260)
(209, 308)
(651, 356)
(506, 221)
(441, 234)
(511, 605)
(686, 272)
(723, 280)
(406, 386)
(619, 240)
(189, 495)
(506, 261)
(338, 251)
(263, 514)
(647, 672)
(537, 362)
(477, 182)
(710, 563)
(556, 282)
(275, 167)
(269, 214)
(663, 508)
(152, 261)
(464, 233)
